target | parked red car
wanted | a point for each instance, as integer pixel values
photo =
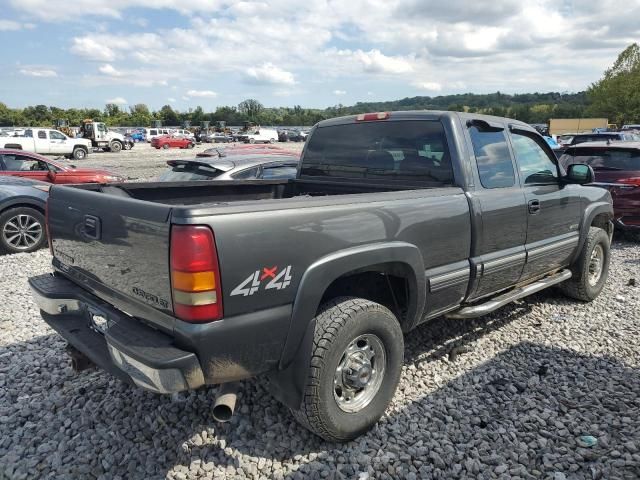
(617, 168)
(172, 141)
(19, 163)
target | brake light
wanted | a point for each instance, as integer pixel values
(371, 117)
(634, 181)
(195, 274)
(47, 230)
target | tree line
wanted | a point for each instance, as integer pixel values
(615, 96)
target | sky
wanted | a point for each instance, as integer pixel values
(317, 53)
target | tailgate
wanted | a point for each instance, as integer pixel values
(116, 247)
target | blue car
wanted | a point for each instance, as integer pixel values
(138, 136)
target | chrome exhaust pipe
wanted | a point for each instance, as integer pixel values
(225, 402)
(79, 361)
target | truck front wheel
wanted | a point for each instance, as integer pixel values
(357, 356)
(591, 269)
(79, 153)
(115, 147)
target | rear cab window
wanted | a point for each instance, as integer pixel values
(402, 150)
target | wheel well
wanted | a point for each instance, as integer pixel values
(83, 147)
(603, 221)
(23, 205)
(386, 284)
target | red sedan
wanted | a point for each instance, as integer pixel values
(172, 141)
(19, 163)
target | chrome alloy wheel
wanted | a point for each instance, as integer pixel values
(22, 232)
(359, 374)
(596, 264)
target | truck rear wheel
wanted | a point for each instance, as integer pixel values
(79, 153)
(591, 269)
(22, 229)
(356, 362)
(115, 146)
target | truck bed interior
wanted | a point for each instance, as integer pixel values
(199, 193)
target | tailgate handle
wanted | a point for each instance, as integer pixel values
(92, 228)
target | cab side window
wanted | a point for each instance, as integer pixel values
(42, 134)
(56, 136)
(535, 166)
(492, 157)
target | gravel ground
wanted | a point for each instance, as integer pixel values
(508, 395)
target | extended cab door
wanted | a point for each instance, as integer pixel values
(498, 252)
(41, 142)
(553, 209)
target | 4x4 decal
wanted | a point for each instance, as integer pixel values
(251, 284)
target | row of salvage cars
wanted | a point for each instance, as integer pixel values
(25, 179)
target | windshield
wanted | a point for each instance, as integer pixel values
(392, 150)
(189, 172)
(602, 158)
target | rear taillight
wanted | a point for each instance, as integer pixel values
(195, 274)
(47, 230)
(372, 117)
(633, 181)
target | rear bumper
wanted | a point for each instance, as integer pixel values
(190, 356)
(128, 349)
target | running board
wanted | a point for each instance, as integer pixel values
(515, 294)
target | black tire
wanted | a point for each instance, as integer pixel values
(79, 153)
(165, 146)
(115, 146)
(339, 323)
(190, 145)
(582, 285)
(128, 146)
(8, 216)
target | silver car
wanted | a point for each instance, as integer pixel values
(237, 167)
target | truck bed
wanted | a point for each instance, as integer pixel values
(222, 192)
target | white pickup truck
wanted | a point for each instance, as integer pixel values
(47, 141)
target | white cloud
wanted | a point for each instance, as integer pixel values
(171, 100)
(12, 26)
(38, 72)
(110, 70)
(374, 61)
(268, 73)
(117, 101)
(201, 94)
(339, 92)
(91, 49)
(430, 86)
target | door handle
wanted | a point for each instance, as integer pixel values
(534, 206)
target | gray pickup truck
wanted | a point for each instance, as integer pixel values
(392, 220)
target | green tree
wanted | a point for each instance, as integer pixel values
(617, 94)
(168, 116)
(251, 108)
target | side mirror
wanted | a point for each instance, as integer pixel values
(580, 174)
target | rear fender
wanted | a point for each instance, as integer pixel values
(287, 384)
